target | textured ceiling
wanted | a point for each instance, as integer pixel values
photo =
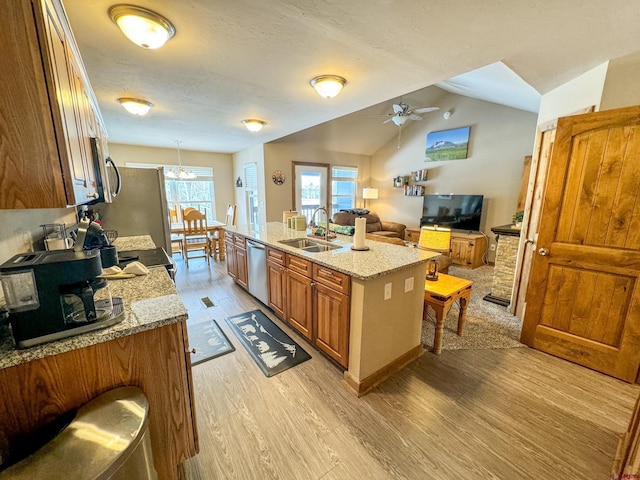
(242, 59)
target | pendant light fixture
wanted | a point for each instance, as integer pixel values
(135, 106)
(143, 27)
(328, 86)
(181, 173)
(253, 125)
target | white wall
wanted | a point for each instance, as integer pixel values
(500, 139)
(622, 85)
(240, 159)
(573, 96)
(278, 156)
(220, 162)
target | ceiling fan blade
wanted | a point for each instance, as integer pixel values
(388, 120)
(425, 109)
(415, 117)
(398, 108)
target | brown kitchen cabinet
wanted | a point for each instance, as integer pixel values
(240, 253)
(331, 307)
(49, 110)
(230, 255)
(36, 392)
(277, 282)
(468, 249)
(300, 295)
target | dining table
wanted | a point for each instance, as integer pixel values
(212, 227)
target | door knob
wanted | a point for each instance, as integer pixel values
(543, 251)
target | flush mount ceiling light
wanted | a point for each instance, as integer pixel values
(135, 106)
(143, 27)
(328, 86)
(254, 125)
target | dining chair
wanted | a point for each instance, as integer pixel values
(176, 238)
(194, 237)
(217, 237)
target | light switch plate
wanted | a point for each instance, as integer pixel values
(387, 291)
(408, 284)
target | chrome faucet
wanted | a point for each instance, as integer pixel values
(313, 217)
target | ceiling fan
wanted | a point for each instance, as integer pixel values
(402, 113)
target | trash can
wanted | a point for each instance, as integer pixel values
(107, 439)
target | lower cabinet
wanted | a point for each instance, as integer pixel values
(312, 299)
(300, 302)
(230, 256)
(468, 250)
(331, 321)
(277, 281)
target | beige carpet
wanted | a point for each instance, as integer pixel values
(488, 325)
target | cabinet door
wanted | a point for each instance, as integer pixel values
(332, 323)
(299, 303)
(73, 103)
(460, 251)
(277, 278)
(241, 267)
(230, 258)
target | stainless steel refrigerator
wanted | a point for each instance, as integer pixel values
(140, 208)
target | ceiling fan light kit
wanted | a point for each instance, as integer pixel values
(328, 86)
(253, 125)
(135, 106)
(143, 27)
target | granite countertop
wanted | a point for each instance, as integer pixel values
(380, 259)
(151, 301)
(139, 242)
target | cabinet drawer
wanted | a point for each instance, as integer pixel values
(299, 265)
(276, 256)
(239, 241)
(332, 279)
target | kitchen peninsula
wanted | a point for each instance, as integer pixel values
(376, 296)
(148, 349)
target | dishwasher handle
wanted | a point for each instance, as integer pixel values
(257, 246)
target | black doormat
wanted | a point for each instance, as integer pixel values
(208, 341)
(271, 348)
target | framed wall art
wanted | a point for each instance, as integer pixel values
(447, 145)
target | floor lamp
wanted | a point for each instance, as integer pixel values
(369, 193)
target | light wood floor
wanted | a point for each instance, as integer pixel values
(465, 414)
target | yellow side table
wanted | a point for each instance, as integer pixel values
(440, 295)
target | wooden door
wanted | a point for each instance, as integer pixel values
(531, 221)
(583, 301)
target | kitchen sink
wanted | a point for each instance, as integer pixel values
(309, 245)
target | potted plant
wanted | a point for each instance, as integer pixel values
(517, 218)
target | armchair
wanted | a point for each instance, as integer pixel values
(375, 225)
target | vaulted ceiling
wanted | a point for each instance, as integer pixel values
(239, 59)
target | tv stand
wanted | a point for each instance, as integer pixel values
(467, 249)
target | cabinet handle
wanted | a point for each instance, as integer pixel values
(92, 195)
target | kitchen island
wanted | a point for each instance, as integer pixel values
(373, 298)
(148, 349)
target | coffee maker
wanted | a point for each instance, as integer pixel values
(56, 294)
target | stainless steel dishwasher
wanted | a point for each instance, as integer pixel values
(257, 271)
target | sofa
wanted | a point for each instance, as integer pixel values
(375, 226)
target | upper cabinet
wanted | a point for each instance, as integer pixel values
(48, 113)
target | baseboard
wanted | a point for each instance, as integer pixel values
(376, 378)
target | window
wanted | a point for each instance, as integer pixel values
(344, 186)
(197, 192)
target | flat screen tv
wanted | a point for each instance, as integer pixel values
(458, 212)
